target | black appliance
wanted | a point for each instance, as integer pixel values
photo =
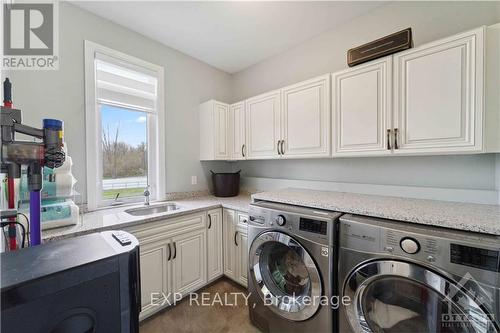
(86, 284)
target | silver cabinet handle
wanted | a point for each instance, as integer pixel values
(282, 147)
(209, 221)
(235, 236)
(396, 139)
(278, 147)
(175, 251)
(169, 252)
(243, 150)
(389, 139)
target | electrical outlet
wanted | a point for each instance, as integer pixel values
(194, 180)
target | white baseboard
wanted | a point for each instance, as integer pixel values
(432, 193)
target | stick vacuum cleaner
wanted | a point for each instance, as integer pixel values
(48, 151)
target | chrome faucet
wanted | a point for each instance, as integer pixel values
(146, 195)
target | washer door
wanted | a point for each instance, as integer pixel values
(285, 276)
(394, 296)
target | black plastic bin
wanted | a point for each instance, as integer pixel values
(226, 184)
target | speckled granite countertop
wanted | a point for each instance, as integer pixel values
(471, 217)
(454, 215)
(116, 218)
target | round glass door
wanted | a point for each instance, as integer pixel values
(285, 276)
(394, 297)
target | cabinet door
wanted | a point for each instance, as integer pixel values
(189, 261)
(214, 244)
(263, 125)
(306, 119)
(362, 113)
(221, 125)
(242, 250)
(229, 229)
(439, 95)
(155, 271)
(237, 127)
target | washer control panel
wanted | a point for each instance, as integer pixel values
(312, 224)
(315, 226)
(280, 220)
(409, 245)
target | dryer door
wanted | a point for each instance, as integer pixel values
(395, 296)
(285, 276)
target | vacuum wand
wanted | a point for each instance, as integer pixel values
(49, 152)
(7, 102)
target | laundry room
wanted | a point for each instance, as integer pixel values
(250, 166)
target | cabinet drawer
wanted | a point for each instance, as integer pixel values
(242, 220)
(168, 227)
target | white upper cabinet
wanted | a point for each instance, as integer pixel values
(362, 112)
(263, 126)
(306, 119)
(237, 123)
(214, 131)
(438, 96)
(492, 95)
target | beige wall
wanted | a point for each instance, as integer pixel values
(327, 53)
(60, 94)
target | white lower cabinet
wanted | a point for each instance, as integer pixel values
(189, 261)
(180, 255)
(155, 286)
(173, 260)
(229, 229)
(242, 245)
(215, 267)
(235, 245)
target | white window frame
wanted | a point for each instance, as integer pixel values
(93, 130)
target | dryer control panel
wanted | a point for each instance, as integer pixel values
(475, 257)
(454, 250)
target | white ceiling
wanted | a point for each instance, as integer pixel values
(230, 36)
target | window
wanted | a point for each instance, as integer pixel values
(124, 125)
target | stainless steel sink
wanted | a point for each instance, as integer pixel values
(153, 209)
